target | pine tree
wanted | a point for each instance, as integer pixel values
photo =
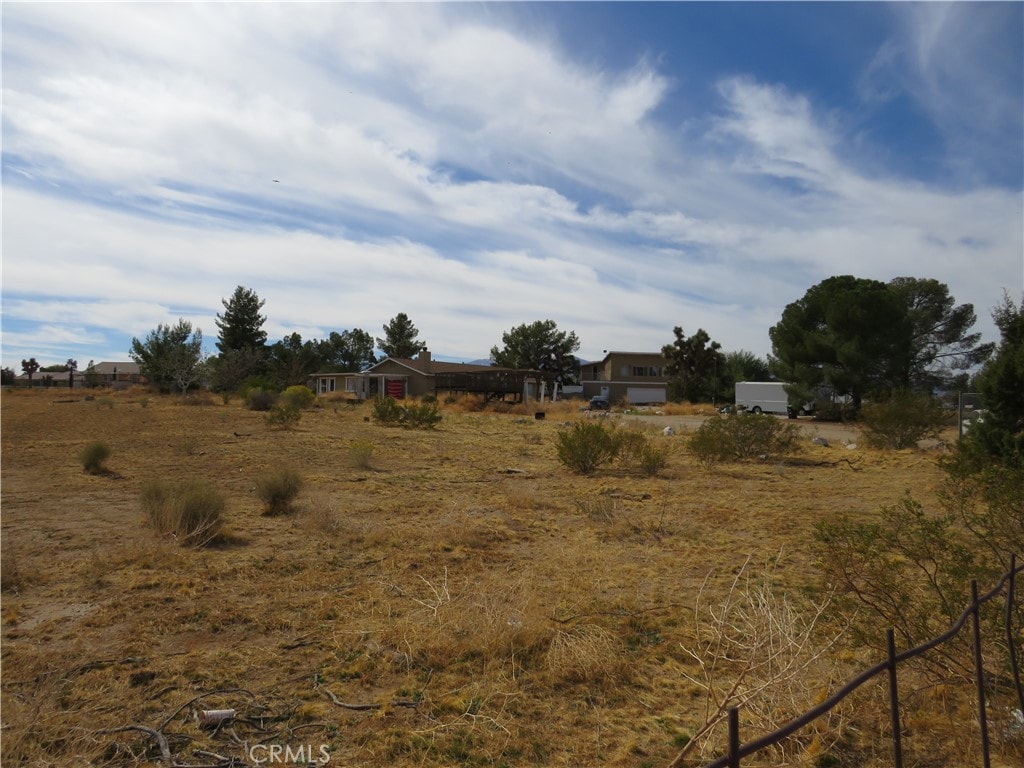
(241, 325)
(400, 338)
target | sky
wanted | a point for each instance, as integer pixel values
(621, 169)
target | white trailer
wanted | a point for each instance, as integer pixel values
(764, 397)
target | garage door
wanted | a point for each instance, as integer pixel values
(641, 395)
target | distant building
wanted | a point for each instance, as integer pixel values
(633, 377)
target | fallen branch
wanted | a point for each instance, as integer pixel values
(161, 740)
(370, 707)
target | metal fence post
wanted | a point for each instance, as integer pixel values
(894, 699)
(1010, 640)
(980, 673)
(734, 737)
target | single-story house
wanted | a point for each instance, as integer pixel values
(106, 374)
(111, 374)
(634, 377)
(400, 377)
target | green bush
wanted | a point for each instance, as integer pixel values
(257, 399)
(93, 456)
(636, 451)
(278, 490)
(652, 459)
(191, 512)
(422, 415)
(360, 452)
(902, 420)
(740, 436)
(386, 411)
(298, 396)
(586, 445)
(283, 417)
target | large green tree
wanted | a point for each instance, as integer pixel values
(941, 346)
(692, 366)
(171, 357)
(348, 351)
(241, 325)
(740, 365)
(1001, 384)
(400, 338)
(292, 360)
(539, 346)
(849, 335)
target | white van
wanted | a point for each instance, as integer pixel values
(765, 397)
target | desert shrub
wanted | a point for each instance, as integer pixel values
(360, 452)
(257, 399)
(740, 436)
(278, 489)
(902, 420)
(586, 445)
(144, 402)
(652, 459)
(586, 653)
(283, 417)
(422, 415)
(105, 402)
(191, 512)
(93, 456)
(601, 509)
(386, 410)
(298, 396)
(636, 451)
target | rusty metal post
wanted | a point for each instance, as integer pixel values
(894, 699)
(734, 737)
(979, 671)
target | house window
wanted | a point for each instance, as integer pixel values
(326, 385)
(646, 370)
(351, 385)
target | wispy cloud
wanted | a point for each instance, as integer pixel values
(430, 160)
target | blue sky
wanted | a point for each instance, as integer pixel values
(618, 168)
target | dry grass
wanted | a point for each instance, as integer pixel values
(493, 607)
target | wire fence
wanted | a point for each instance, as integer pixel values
(1008, 582)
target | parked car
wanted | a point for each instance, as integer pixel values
(599, 404)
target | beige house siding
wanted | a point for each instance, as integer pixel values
(620, 374)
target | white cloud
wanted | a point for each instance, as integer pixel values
(436, 164)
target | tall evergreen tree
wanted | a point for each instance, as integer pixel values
(849, 334)
(400, 338)
(1001, 383)
(941, 347)
(241, 325)
(540, 346)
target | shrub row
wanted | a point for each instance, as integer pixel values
(422, 415)
(587, 445)
(740, 436)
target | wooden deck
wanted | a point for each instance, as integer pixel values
(495, 384)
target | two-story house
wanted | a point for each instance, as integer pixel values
(633, 377)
